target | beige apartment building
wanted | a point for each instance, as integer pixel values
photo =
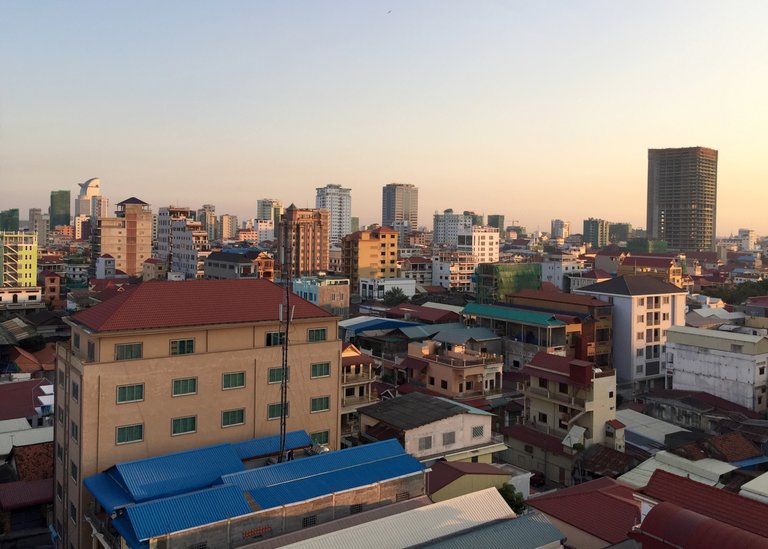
(369, 254)
(171, 366)
(126, 237)
(307, 233)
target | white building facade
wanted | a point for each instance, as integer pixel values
(190, 248)
(447, 227)
(558, 268)
(481, 242)
(338, 201)
(644, 308)
(729, 365)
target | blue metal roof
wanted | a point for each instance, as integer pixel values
(321, 484)
(188, 489)
(177, 473)
(288, 471)
(158, 517)
(268, 446)
(379, 324)
(108, 491)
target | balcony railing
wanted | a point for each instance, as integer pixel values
(99, 523)
(355, 378)
(557, 396)
(464, 362)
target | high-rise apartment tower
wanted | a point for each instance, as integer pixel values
(682, 197)
(338, 201)
(400, 202)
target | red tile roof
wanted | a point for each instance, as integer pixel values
(19, 398)
(445, 472)
(603, 508)
(25, 493)
(734, 447)
(607, 462)
(560, 297)
(426, 314)
(355, 360)
(635, 261)
(668, 525)
(738, 511)
(413, 363)
(34, 461)
(164, 304)
(534, 438)
(701, 398)
(417, 259)
(615, 423)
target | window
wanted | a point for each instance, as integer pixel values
(609, 433)
(311, 520)
(130, 393)
(562, 388)
(431, 380)
(91, 351)
(665, 300)
(443, 384)
(76, 341)
(185, 386)
(74, 431)
(73, 470)
(275, 339)
(59, 491)
(641, 301)
(640, 336)
(60, 376)
(610, 394)
(75, 391)
(273, 410)
(665, 316)
(321, 369)
(528, 449)
(640, 319)
(183, 425)
(355, 508)
(73, 512)
(129, 433)
(478, 430)
(762, 371)
(275, 375)
(425, 443)
(542, 417)
(736, 348)
(320, 404)
(316, 334)
(233, 380)
(321, 437)
(182, 346)
(128, 351)
(232, 417)
(61, 414)
(59, 452)
(449, 438)
(402, 496)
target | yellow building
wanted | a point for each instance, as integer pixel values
(18, 259)
(369, 254)
(170, 366)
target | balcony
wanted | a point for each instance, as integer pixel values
(466, 360)
(102, 529)
(354, 402)
(557, 397)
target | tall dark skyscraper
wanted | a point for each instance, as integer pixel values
(682, 197)
(400, 203)
(59, 212)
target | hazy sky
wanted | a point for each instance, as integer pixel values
(530, 109)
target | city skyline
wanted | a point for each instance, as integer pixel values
(527, 111)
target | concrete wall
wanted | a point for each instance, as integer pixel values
(730, 375)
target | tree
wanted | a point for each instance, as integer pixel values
(395, 296)
(513, 498)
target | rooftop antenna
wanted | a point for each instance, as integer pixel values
(286, 316)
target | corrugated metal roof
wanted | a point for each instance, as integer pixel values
(288, 471)
(510, 313)
(647, 426)
(107, 491)
(428, 330)
(528, 532)
(706, 471)
(268, 446)
(420, 525)
(321, 484)
(176, 513)
(177, 473)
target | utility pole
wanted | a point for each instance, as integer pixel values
(286, 316)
